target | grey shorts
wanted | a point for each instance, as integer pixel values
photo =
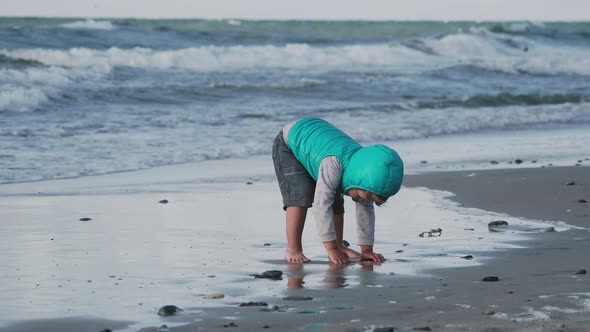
(297, 186)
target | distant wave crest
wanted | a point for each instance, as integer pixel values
(482, 49)
(89, 24)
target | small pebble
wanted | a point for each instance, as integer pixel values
(518, 161)
(489, 312)
(493, 162)
(254, 304)
(169, 310)
(582, 201)
(232, 324)
(85, 219)
(164, 201)
(298, 298)
(467, 257)
(549, 230)
(383, 329)
(490, 279)
(267, 244)
(213, 296)
(266, 327)
(497, 223)
(571, 183)
(106, 330)
(271, 274)
(581, 272)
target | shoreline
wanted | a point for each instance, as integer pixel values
(538, 289)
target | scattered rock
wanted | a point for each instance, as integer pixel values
(399, 251)
(549, 229)
(424, 162)
(164, 327)
(164, 201)
(467, 257)
(213, 296)
(581, 272)
(232, 324)
(169, 310)
(489, 312)
(468, 229)
(271, 274)
(85, 219)
(249, 182)
(490, 279)
(267, 244)
(582, 201)
(345, 243)
(383, 329)
(432, 233)
(424, 328)
(518, 161)
(494, 226)
(493, 162)
(106, 330)
(571, 183)
(266, 327)
(509, 292)
(254, 304)
(298, 298)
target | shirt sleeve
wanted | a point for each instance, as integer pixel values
(365, 223)
(329, 177)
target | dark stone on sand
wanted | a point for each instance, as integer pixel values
(424, 162)
(266, 327)
(254, 304)
(549, 229)
(490, 279)
(164, 201)
(169, 310)
(581, 272)
(518, 161)
(345, 243)
(267, 244)
(249, 182)
(489, 312)
(298, 298)
(270, 274)
(85, 219)
(582, 201)
(106, 330)
(467, 257)
(493, 162)
(571, 183)
(399, 251)
(383, 329)
(424, 328)
(496, 223)
(232, 324)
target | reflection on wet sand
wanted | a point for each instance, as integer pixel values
(335, 275)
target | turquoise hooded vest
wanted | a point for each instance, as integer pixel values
(375, 168)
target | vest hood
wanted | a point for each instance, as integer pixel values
(375, 168)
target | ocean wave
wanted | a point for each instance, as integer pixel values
(484, 50)
(27, 90)
(20, 99)
(231, 58)
(89, 24)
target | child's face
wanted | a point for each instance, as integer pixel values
(364, 196)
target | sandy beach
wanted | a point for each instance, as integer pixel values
(137, 253)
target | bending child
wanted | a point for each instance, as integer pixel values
(316, 164)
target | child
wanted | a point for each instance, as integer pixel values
(317, 163)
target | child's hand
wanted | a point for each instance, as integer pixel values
(337, 256)
(367, 253)
(375, 257)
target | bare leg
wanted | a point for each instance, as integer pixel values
(295, 222)
(339, 225)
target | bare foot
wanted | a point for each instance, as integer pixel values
(293, 256)
(350, 253)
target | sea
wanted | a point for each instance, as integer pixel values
(83, 97)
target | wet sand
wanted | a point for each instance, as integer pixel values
(538, 288)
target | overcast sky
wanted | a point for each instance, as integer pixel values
(536, 10)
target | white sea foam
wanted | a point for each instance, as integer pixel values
(89, 24)
(484, 50)
(25, 90)
(19, 99)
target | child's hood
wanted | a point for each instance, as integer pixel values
(376, 168)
